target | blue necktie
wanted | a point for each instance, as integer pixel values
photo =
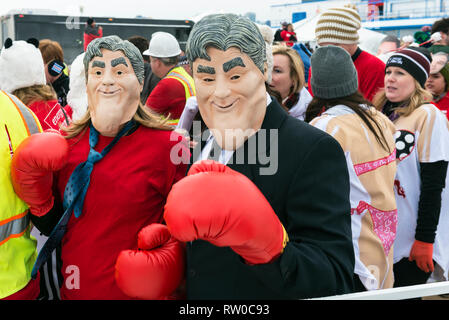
(75, 192)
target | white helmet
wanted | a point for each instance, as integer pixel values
(163, 45)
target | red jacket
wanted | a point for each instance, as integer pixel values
(51, 115)
(89, 36)
(443, 104)
(168, 97)
(288, 36)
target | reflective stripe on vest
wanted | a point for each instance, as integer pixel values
(28, 117)
(14, 227)
(186, 80)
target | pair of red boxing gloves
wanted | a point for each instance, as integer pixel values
(213, 203)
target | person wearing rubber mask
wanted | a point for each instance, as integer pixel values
(422, 153)
(111, 175)
(256, 223)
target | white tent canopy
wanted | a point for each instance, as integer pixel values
(369, 39)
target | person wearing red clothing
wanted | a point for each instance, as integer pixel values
(169, 97)
(91, 32)
(111, 175)
(49, 112)
(370, 69)
(438, 81)
(289, 35)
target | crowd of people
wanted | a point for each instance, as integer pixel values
(247, 166)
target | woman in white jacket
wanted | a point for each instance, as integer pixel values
(288, 79)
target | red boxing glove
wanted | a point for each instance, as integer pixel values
(155, 271)
(219, 205)
(422, 253)
(32, 167)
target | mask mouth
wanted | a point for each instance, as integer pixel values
(109, 93)
(225, 107)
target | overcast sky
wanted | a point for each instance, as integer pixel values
(158, 9)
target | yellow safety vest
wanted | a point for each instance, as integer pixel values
(17, 247)
(180, 74)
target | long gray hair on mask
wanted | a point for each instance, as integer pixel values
(223, 31)
(114, 43)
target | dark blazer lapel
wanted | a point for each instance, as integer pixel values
(246, 159)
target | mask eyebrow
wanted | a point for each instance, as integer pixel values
(117, 61)
(205, 69)
(236, 62)
(99, 64)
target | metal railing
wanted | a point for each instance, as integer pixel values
(410, 292)
(403, 9)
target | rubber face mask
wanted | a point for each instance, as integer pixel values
(231, 95)
(113, 92)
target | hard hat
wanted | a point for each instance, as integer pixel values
(163, 45)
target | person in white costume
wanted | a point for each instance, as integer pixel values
(422, 143)
(367, 138)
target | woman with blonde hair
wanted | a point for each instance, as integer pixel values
(288, 79)
(422, 153)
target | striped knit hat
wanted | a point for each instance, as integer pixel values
(338, 25)
(415, 60)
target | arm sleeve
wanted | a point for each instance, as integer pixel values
(46, 223)
(433, 176)
(166, 96)
(319, 259)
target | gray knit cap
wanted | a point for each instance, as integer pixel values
(333, 73)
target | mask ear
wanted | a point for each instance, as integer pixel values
(8, 43)
(34, 42)
(265, 71)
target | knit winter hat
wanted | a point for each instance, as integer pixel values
(338, 25)
(415, 60)
(333, 73)
(21, 65)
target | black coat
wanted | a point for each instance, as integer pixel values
(310, 194)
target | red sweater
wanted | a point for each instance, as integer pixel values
(90, 36)
(127, 192)
(370, 73)
(443, 104)
(169, 96)
(288, 36)
(50, 114)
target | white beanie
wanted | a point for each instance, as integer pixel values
(338, 25)
(21, 65)
(77, 95)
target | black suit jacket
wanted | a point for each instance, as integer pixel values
(309, 192)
